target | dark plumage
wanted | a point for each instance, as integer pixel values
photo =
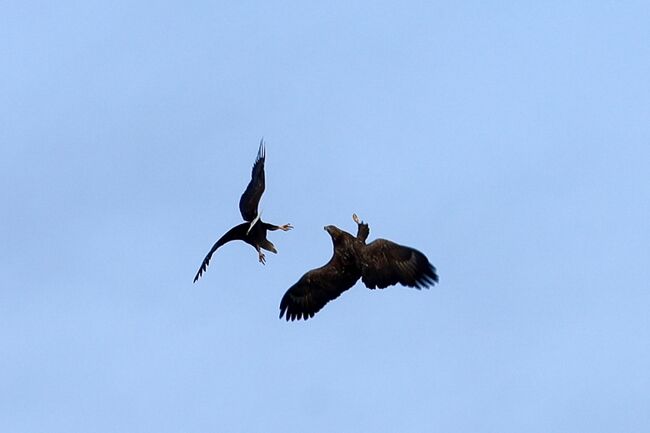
(251, 197)
(253, 231)
(379, 264)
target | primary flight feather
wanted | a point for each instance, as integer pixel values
(379, 264)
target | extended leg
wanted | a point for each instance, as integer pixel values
(285, 227)
(261, 255)
(362, 228)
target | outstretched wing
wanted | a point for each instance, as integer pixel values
(315, 289)
(385, 263)
(235, 233)
(250, 199)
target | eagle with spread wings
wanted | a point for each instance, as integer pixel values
(379, 264)
(253, 230)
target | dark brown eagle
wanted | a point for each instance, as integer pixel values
(379, 264)
(253, 230)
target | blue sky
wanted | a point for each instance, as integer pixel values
(508, 142)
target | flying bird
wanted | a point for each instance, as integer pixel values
(253, 230)
(379, 264)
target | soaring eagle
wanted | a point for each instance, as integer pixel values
(379, 264)
(253, 230)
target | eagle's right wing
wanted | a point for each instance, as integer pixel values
(235, 233)
(315, 289)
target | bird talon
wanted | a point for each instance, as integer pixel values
(356, 218)
(286, 227)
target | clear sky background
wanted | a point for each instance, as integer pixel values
(508, 142)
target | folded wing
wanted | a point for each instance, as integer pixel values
(385, 263)
(250, 199)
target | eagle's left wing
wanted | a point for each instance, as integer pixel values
(385, 263)
(250, 199)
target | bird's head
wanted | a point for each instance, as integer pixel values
(334, 232)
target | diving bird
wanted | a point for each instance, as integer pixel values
(379, 264)
(253, 230)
